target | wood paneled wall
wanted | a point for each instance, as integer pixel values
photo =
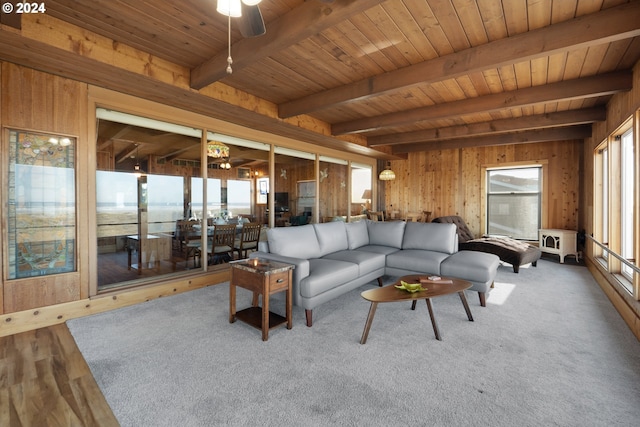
(45, 103)
(449, 182)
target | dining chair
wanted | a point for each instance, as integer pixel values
(221, 243)
(413, 217)
(375, 215)
(189, 239)
(248, 240)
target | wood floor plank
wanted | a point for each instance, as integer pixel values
(45, 381)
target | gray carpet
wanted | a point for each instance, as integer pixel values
(549, 349)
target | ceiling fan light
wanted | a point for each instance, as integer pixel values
(251, 2)
(231, 8)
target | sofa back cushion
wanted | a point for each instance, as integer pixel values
(430, 237)
(386, 233)
(296, 242)
(332, 237)
(357, 234)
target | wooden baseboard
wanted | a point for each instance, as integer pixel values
(628, 308)
(27, 320)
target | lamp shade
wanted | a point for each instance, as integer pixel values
(366, 195)
(217, 150)
(387, 174)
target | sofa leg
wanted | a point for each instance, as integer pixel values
(380, 281)
(516, 268)
(308, 313)
(534, 263)
(483, 299)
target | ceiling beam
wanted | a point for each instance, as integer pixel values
(50, 59)
(540, 121)
(585, 87)
(526, 137)
(301, 23)
(609, 25)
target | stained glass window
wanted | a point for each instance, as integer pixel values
(41, 204)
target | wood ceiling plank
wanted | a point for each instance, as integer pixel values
(557, 66)
(515, 16)
(409, 35)
(429, 25)
(549, 119)
(371, 41)
(448, 19)
(612, 24)
(493, 18)
(304, 21)
(397, 47)
(471, 20)
(526, 137)
(578, 88)
(563, 10)
(575, 61)
(630, 56)
(594, 59)
(523, 74)
(539, 74)
(539, 14)
(119, 21)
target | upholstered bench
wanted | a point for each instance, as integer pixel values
(512, 251)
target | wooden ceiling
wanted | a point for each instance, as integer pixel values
(410, 75)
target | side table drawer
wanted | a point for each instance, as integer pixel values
(278, 281)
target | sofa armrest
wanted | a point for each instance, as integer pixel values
(302, 265)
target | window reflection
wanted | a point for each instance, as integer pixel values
(156, 215)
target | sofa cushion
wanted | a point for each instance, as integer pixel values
(427, 262)
(378, 249)
(473, 266)
(386, 233)
(326, 274)
(297, 242)
(430, 237)
(367, 262)
(332, 237)
(357, 234)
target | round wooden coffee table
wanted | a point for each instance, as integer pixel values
(445, 286)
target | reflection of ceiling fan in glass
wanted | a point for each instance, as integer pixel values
(249, 20)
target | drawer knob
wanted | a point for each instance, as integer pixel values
(279, 280)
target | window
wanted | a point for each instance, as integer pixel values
(615, 204)
(41, 208)
(514, 202)
(605, 200)
(627, 189)
(360, 189)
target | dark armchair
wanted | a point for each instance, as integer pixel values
(512, 251)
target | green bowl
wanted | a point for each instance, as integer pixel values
(410, 287)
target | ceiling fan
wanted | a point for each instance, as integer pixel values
(248, 15)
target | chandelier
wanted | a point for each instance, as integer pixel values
(219, 151)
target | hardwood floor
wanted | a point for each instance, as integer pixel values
(45, 382)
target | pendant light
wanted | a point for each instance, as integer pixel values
(387, 174)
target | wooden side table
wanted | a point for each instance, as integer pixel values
(262, 277)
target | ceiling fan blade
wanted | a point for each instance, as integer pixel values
(251, 23)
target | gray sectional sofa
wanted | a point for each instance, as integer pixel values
(335, 257)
